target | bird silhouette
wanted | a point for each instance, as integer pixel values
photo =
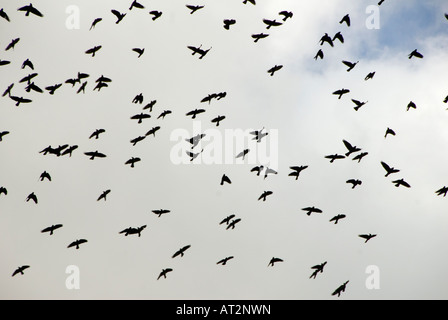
(370, 76)
(381, 2)
(181, 251)
(226, 179)
(193, 8)
(82, 88)
(334, 157)
(350, 65)
(242, 154)
(52, 228)
(358, 103)
(20, 270)
(95, 154)
(271, 23)
(367, 237)
(140, 117)
(296, 170)
(286, 14)
(140, 51)
(193, 155)
(30, 9)
(411, 105)
(228, 23)
(103, 195)
(360, 156)
(389, 170)
(443, 191)
(401, 182)
(274, 260)
(250, 1)
(45, 175)
(389, 131)
(131, 231)
(150, 105)
(264, 195)
(202, 53)
(326, 38)
(27, 63)
(259, 36)
(32, 196)
(224, 261)
(2, 134)
(338, 36)
(93, 50)
(12, 44)
(133, 161)
(218, 120)
(7, 92)
(164, 114)
(34, 87)
(415, 54)
(338, 217)
(120, 16)
(259, 134)
(445, 100)
(194, 141)
(69, 150)
(96, 133)
(232, 224)
(28, 78)
(153, 131)
(227, 219)
(194, 113)
(77, 243)
(100, 85)
(155, 14)
(4, 15)
(138, 99)
(310, 210)
(4, 191)
(341, 92)
(137, 5)
(161, 212)
(4, 62)
(164, 273)
(269, 171)
(340, 289)
(95, 22)
(346, 19)
(257, 169)
(274, 69)
(319, 54)
(351, 149)
(354, 182)
(318, 269)
(138, 139)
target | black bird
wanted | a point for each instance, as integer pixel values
(296, 170)
(310, 210)
(119, 15)
(446, 16)
(250, 1)
(69, 150)
(12, 44)
(224, 261)
(52, 228)
(274, 261)
(202, 53)
(8, 90)
(367, 237)
(341, 92)
(93, 50)
(351, 149)
(259, 36)
(138, 99)
(100, 85)
(194, 141)
(34, 87)
(95, 154)
(411, 105)
(27, 63)
(4, 191)
(218, 119)
(45, 175)
(82, 88)
(350, 65)
(57, 151)
(242, 154)
(4, 62)
(2, 134)
(232, 224)
(193, 8)
(389, 131)
(150, 105)
(193, 155)
(30, 9)
(318, 268)
(227, 219)
(416, 54)
(32, 196)
(358, 103)
(389, 170)
(271, 23)
(181, 251)
(164, 273)
(161, 212)
(340, 289)
(103, 79)
(53, 88)
(286, 14)
(319, 54)
(445, 100)
(4, 15)
(103, 195)
(326, 38)
(228, 23)
(401, 182)
(137, 140)
(97, 133)
(269, 171)
(77, 243)
(28, 78)
(140, 51)
(264, 195)
(95, 22)
(153, 131)
(257, 169)
(225, 178)
(443, 191)
(130, 231)
(156, 14)
(72, 81)
(132, 161)
(337, 218)
(354, 182)
(338, 36)
(360, 156)
(137, 5)
(259, 134)
(346, 19)
(20, 270)
(334, 157)
(381, 2)
(194, 113)
(20, 100)
(140, 117)
(274, 69)
(370, 76)
(164, 113)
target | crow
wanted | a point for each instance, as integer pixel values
(194, 141)
(338, 36)
(137, 5)
(95, 22)
(416, 54)
(51, 229)
(27, 63)
(224, 261)
(2, 134)
(264, 195)
(100, 85)
(341, 92)
(370, 76)
(30, 9)
(381, 2)
(225, 178)
(443, 191)
(310, 210)
(259, 36)
(181, 251)
(319, 54)
(228, 23)
(161, 212)
(164, 113)
(45, 175)
(286, 14)
(296, 170)
(164, 273)
(401, 182)
(153, 131)
(12, 44)
(250, 1)
(389, 131)
(140, 51)
(82, 88)
(350, 65)
(218, 119)
(194, 113)
(138, 99)
(97, 133)
(130, 231)
(28, 78)
(257, 169)
(95, 154)
(351, 149)
(202, 53)
(77, 243)
(367, 237)
(93, 50)
(32, 196)
(4, 62)
(137, 140)
(274, 69)
(274, 261)
(358, 103)
(132, 161)
(346, 19)
(354, 183)
(53, 88)
(4, 15)
(268, 171)
(156, 14)
(318, 268)
(337, 218)
(334, 157)
(360, 156)
(140, 117)
(232, 224)
(20, 270)
(259, 134)
(411, 105)
(193, 8)
(34, 87)
(8, 90)
(271, 23)
(103, 195)
(119, 15)
(389, 170)
(340, 289)
(326, 38)
(69, 150)
(150, 105)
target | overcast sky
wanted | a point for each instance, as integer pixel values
(305, 122)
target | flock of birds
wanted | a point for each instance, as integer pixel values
(230, 222)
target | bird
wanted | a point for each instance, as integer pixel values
(53, 88)
(102, 79)
(150, 105)
(443, 191)
(193, 8)
(351, 149)
(140, 51)
(341, 92)
(34, 87)
(367, 237)
(82, 88)
(27, 63)
(259, 134)
(337, 218)
(346, 19)
(318, 268)
(257, 169)
(228, 23)
(358, 103)
(104, 195)
(286, 14)
(354, 182)
(269, 171)
(4, 15)
(310, 210)
(194, 113)
(20, 270)
(250, 1)
(274, 260)
(381, 2)
(389, 131)
(202, 53)
(360, 156)
(401, 182)
(259, 36)
(193, 155)
(415, 54)
(319, 54)
(2, 134)
(232, 224)
(4, 62)
(4, 191)
(326, 38)
(334, 157)
(140, 117)
(156, 14)
(95, 22)
(100, 85)
(30, 9)
(95, 154)
(164, 273)
(194, 141)
(264, 195)
(271, 23)
(45, 175)
(52, 228)
(12, 44)
(138, 139)
(28, 78)
(370, 76)
(69, 150)
(340, 289)
(243, 153)
(138, 99)
(153, 131)
(7, 92)
(296, 170)
(227, 219)
(164, 113)
(411, 105)
(93, 50)
(338, 36)
(445, 100)
(130, 231)
(350, 65)
(120, 16)
(389, 170)
(225, 178)
(161, 212)
(181, 251)
(137, 5)
(224, 261)
(274, 69)
(77, 243)
(132, 161)
(218, 120)
(32, 196)
(96, 133)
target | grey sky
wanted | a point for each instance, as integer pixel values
(297, 102)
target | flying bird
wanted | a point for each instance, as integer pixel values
(2, 134)
(140, 117)
(193, 8)
(164, 273)
(367, 237)
(318, 269)
(161, 212)
(381, 2)
(77, 243)
(155, 14)
(53, 88)
(138, 139)
(82, 88)
(228, 23)
(93, 50)
(181, 251)
(286, 14)
(150, 105)
(34, 87)
(346, 19)
(95, 154)
(45, 175)
(401, 182)
(27, 63)
(264, 195)
(20, 270)
(443, 191)
(164, 113)
(360, 156)
(350, 65)
(118, 15)
(193, 155)
(130, 231)
(351, 149)
(227, 219)
(326, 38)
(194, 113)
(224, 261)
(202, 53)
(140, 51)
(103, 195)
(137, 5)
(310, 210)
(51, 229)
(153, 131)
(28, 78)
(250, 1)
(259, 134)
(4, 15)
(338, 217)
(232, 224)
(7, 92)
(274, 69)
(257, 169)
(354, 182)
(338, 36)
(389, 170)
(359, 104)
(96, 133)
(132, 161)
(242, 154)
(138, 99)
(411, 105)
(4, 62)
(340, 289)
(319, 54)
(259, 36)
(334, 157)
(296, 170)
(389, 131)
(274, 261)
(95, 22)
(69, 150)
(218, 120)
(271, 23)
(30, 9)
(370, 76)
(269, 171)
(12, 44)
(32, 196)
(226, 179)
(4, 191)
(341, 92)
(416, 54)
